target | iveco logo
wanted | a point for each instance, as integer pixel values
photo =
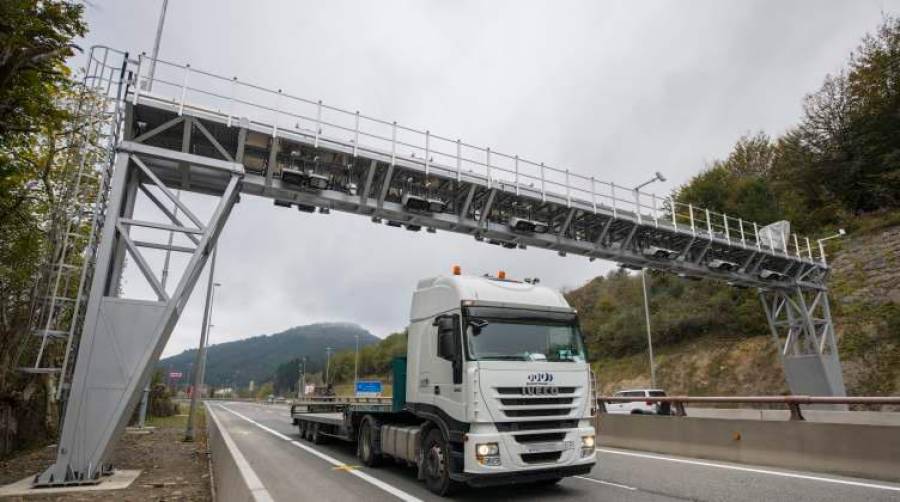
(533, 390)
(544, 377)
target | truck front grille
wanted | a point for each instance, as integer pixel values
(536, 425)
(524, 401)
(554, 412)
(529, 402)
(543, 437)
(541, 458)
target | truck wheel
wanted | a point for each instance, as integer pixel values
(436, 457)
(316, 437)
(365, 447)
(304, 431)
(302, 428)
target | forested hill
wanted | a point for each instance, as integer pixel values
(237, 363)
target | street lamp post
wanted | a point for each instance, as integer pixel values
(657, 177)
(200, 360)
(159, 30)
(841, 233)
(649, 337)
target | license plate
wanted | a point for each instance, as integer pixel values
(545, 447)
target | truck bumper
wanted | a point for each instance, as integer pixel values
(530, 476)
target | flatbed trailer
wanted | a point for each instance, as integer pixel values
(339, 418)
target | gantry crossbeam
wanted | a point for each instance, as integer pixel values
(369, 184)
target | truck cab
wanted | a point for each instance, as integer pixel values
(499, 367)
(495, 389)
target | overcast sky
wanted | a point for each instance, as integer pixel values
(616, 90)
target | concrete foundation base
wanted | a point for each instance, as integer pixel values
(118, 480)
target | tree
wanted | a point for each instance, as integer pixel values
(739, 185)
(265, 390)
(36, 103)
(35, 40)
(852, 128)
(286, 377)
(842, 159)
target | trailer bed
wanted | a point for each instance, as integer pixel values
(322, 418)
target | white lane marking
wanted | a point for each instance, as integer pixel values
(257, 489)
(402, 495)
(783, 474)
(608, 483)
(261, 426)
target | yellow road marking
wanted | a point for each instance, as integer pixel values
(345, 467)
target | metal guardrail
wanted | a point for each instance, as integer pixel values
(793, 403)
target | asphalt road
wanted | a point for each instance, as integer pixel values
(293, 469)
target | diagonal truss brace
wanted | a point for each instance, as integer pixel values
(122, 338)
(801, 328)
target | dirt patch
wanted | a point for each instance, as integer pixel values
(170, 468)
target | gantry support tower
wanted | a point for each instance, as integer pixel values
(201, 133)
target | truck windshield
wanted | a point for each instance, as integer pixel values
(511, 341)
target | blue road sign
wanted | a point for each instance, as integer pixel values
(368, 388)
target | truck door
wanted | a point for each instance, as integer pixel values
(447, 367)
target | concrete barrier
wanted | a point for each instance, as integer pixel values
(869, 451)
(233, 478)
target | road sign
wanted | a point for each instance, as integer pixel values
(175, 375)
(368, 388)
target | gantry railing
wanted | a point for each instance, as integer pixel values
(183, 85)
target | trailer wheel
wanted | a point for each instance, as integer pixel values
(436, 457)
(366, 448)
(315, 436)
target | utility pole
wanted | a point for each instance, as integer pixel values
(327, 363)
(301, 380)
(145, 397)
(356, 365)
(199, 361)
(159, 30)
(142, 415)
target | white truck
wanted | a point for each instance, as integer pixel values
(495, 389)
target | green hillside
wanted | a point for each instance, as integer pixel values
(236, 363)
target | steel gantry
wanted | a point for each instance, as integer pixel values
(198, 132)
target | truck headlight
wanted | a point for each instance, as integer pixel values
(487, 453)
(587, 445)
